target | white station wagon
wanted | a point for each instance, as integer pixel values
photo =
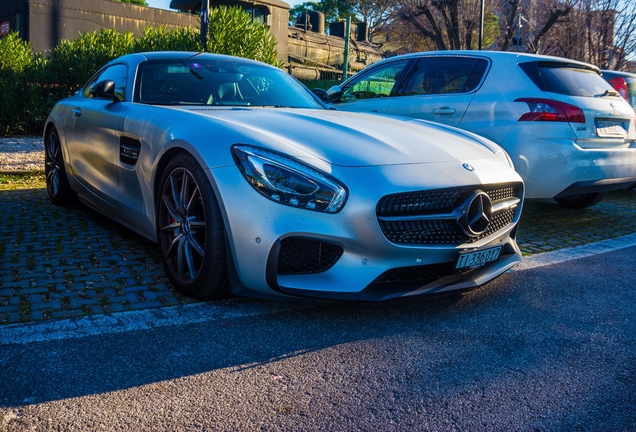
(569, 133)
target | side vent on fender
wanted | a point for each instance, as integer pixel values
(129, 149)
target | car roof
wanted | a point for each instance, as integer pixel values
(178, 55)
(520, 57)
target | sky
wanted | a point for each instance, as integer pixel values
(165, 4)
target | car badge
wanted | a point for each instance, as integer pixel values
(614, 112)
(468, 167)
(476, 214)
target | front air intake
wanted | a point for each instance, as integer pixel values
(299, 255)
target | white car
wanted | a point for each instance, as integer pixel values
(249, 184)
(569, 133)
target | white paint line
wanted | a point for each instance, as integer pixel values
(576, 252)
(121, 322)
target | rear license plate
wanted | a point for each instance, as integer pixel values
(611, 128)
(477, 258)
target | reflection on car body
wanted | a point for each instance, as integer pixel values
(249, 184)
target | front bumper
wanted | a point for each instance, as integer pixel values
(257, 227)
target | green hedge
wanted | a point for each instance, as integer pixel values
(31, 84)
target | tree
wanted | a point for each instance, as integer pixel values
(375, 13)
(449, 24)
(543, 18)
(601, 32)
(333, 10)
(610, 32)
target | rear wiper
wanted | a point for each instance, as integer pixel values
(609, 93)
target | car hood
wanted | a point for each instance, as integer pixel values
(349, 139)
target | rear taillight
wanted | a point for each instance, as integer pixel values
(620, 85)
(551, 110)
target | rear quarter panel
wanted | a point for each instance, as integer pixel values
(493, 112)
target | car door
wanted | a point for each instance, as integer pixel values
(93, 137)
(439, 88)
(371, 90)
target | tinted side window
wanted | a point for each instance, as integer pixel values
(117, 73)
(443, 75)
(378, 82)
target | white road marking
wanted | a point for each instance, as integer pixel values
(576, 252)
(121, 322)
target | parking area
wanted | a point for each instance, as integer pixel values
(60, 262)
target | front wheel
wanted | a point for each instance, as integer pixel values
(190, 231)
(581, 201)
(57, 184)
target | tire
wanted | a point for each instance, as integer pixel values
(581, 201)
(190, 231)
(57, 184)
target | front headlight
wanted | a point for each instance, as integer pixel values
(289, 181)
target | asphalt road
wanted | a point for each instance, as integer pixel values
(550, 348)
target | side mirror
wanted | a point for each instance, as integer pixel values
(104, 90)
(335, 93)
(322, 95)
(328, 96)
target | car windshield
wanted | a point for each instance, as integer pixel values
(220, 82)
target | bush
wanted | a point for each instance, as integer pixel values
(232, 32)
(31, 84)
(16, 63)
(161, 39)
(73, 62)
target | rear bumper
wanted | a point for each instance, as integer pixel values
(559, 167)
(606, 185)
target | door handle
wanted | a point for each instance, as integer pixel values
(444, 111)
(77, 111)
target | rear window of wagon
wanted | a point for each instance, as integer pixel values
(566, 79)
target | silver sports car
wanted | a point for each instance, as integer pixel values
(250, 185)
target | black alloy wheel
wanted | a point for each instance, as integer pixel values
(581, 201)
(190, 231)
(57, 184)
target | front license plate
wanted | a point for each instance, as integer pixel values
(611, 128)
(478, 258)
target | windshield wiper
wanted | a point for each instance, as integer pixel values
(609, 93)
(168, 103)
(194, 73)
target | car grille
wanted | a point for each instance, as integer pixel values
(403, 209)
(421, 274)
(300, 255)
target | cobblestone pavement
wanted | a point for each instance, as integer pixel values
(60, 262)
